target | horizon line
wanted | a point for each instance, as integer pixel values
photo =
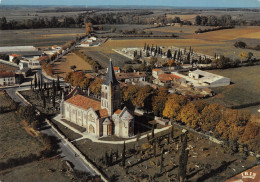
(133, 6)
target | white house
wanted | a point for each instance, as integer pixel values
(12, 56)
(156, 72)
(7, 78)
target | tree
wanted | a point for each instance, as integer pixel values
(173, 105)
(44, 100)
(27, 113)
(250, 55)
(73, 67)
(53, 101)
(143, 97)
(172, 132)
(123, 155)
(16, 60)
(169, 54)
(129, 92)
(153, 131)
(158, 104)
(85, 83)
(198, 20)
(152, 61)
(242, 55)
(54, 89)
(183, 160)
(161, 167)
(240, 44)
(190, 115)
(171, 63)
(95, 87)
(58, 83)
(35, 81)
(89, 28)
(210, 116)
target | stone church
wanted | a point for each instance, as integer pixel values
(100, 118)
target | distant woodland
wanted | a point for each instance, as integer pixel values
(131, 17)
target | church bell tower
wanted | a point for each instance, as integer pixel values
(110, 91)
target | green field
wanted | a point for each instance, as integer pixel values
(244, 90)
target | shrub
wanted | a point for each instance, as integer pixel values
(240, 44)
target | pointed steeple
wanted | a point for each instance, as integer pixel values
(111, 77)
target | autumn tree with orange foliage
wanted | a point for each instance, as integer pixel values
(78, 79)
(190, 115)
(251, 136)
(95, 87)
(158, 102)
(89, 28)
(143, 97)
(129, 92)
(49, 70)
(173, 105)
(210, 116)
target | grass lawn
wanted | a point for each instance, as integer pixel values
(63, 65)
(71, 135)
(245, 89)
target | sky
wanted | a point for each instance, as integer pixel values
(174, 3)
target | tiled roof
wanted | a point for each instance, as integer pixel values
(176, 76)
(15, 55)
(157, 70)
(116, 68)
(167, 77)
(130, 75)
(87, 103)
(4, 74)
(118, 111)
(102, 113)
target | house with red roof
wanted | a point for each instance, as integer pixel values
(156, 72)
(168, 79)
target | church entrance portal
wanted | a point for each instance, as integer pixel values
(91, 129)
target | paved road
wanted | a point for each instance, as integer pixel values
(66, 151)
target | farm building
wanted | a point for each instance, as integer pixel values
(156, 72)
(7, 78)
(206, 79)
(17, 49)
(168, 79)
(117, 69)
(134, 77)
(12, 56)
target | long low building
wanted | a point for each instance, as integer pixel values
(17, 49)
(206, 79)
(131, 77)
(7, 78)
